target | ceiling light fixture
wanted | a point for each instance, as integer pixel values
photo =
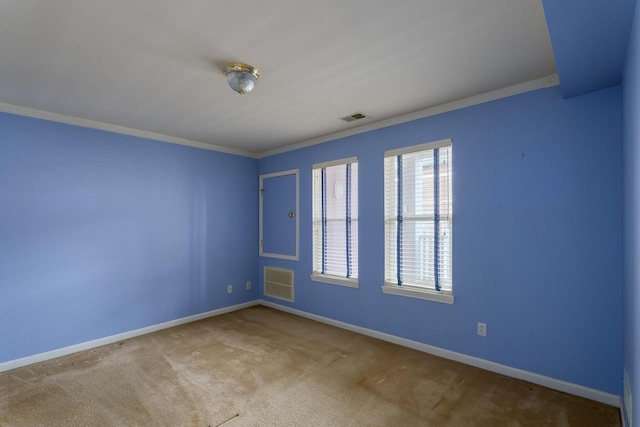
(241, 77)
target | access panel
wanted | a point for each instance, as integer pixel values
(279, 215)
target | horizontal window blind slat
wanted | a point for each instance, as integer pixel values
(418, 233)
(335, 222)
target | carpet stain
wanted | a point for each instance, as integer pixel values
(339, 357)
(276, 369)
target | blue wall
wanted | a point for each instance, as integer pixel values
(102, 233)
(537, 235)
(589, 40)
(631, 221)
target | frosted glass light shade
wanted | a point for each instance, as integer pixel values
(241, 82)
(241, 77)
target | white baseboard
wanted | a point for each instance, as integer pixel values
(564, 386)
(41, 357)
(567, 387)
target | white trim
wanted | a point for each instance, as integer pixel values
(261, 253)
(279, 256)
(335, 162)
(544, 82)
(280, 173)
(41, 357)
(92, 124)
(564, 386)
(419, 147)
(426, 294)
(335, 280)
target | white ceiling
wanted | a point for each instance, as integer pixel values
(155, 65)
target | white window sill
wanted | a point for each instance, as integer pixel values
(413, 292)
(334, 280)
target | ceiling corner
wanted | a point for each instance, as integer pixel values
(589, 41)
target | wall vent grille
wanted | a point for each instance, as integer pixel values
(278, 283)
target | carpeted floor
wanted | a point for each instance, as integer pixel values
(262, 367)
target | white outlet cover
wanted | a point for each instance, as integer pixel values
(248, 285)
(229, 288)
(482, 329)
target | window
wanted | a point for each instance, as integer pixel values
(335, 222)
(418, 221)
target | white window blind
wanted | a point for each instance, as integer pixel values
(335, 218)
(418, 217)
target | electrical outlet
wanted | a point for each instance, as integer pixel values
(482, 329)
(229, 289)
(248, 285)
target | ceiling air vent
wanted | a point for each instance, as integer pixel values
(354, 117)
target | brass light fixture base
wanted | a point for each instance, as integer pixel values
(242, 68)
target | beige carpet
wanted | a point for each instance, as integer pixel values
(262, 367)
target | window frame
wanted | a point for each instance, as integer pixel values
(318, 276)
(407, 290)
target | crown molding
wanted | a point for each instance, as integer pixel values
(92, 124)
(543, 82)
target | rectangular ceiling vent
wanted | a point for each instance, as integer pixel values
(354, 117)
